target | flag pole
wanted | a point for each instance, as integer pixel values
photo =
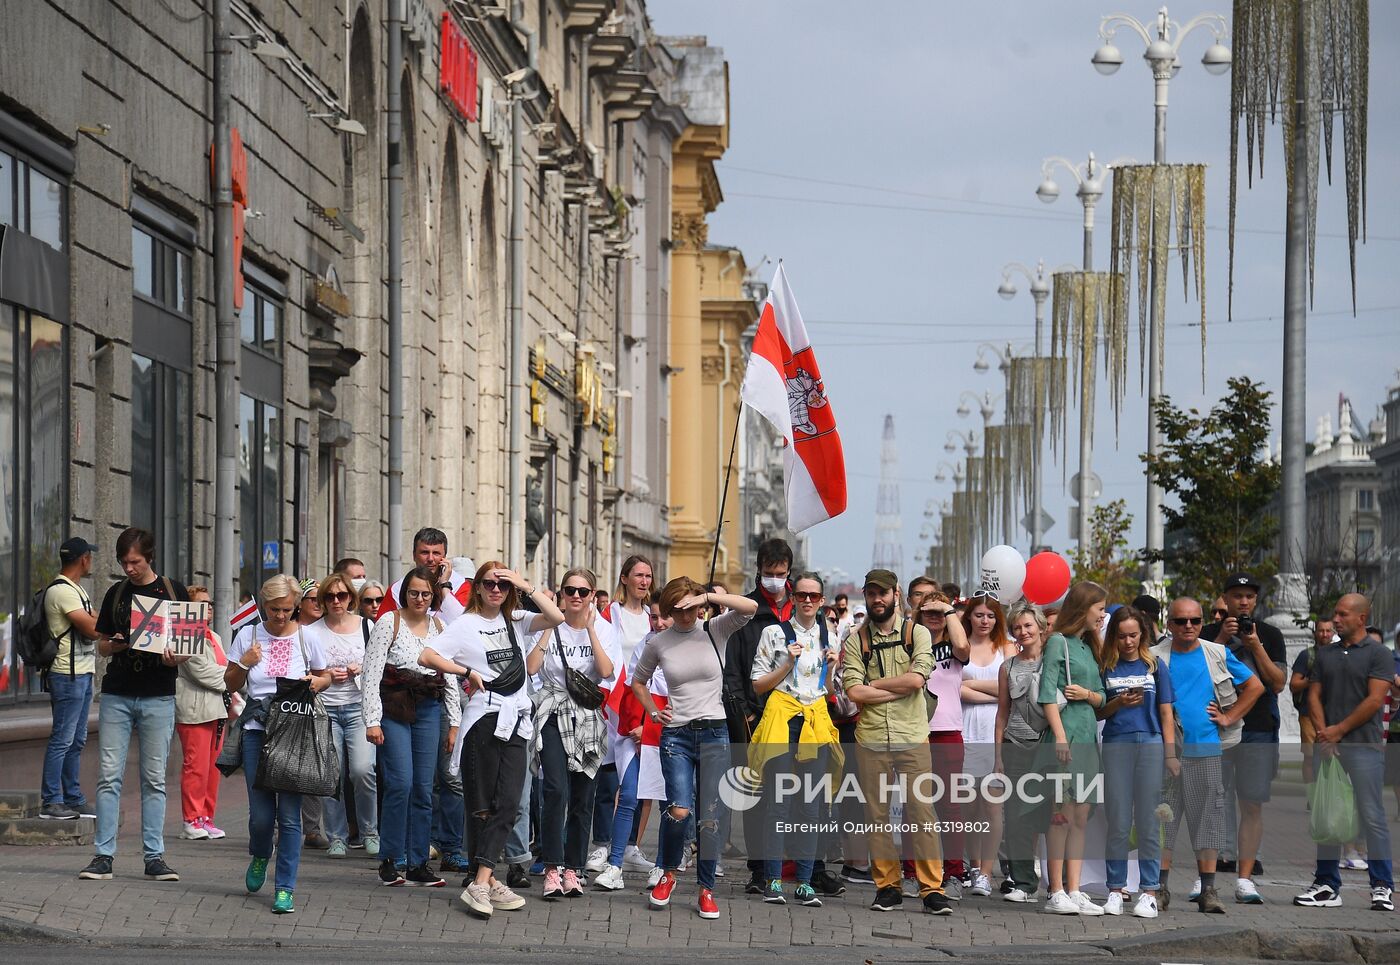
(724, 492)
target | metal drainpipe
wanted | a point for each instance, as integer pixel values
(395, 299)
(226, 335)
(722, 452)
(580, 319)
(516, 414)
(617, 414)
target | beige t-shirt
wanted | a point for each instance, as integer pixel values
(61, 600)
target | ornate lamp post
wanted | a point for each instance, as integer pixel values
(1145, 199)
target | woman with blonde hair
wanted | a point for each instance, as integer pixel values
(1070, 693)
(343, 635)
(1139, 738)
(695, 736)
(1016, 743)
(261, 655)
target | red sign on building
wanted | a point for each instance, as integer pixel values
(238, 167)
(458, 69)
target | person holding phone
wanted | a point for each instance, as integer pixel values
(1139, 740)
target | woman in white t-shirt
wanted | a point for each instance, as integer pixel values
(497, 720)
(342, 634)
(629, 616)
(260, 656)
(984, 622)
(569, 738)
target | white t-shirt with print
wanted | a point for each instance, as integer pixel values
(483, 645)
(578, 648)
(281, 657)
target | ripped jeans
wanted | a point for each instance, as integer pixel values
(693, 757)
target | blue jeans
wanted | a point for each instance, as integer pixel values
(269, 811)
(1132, 767)
(604, 816)
(566, 807)
(348, 733)
(409, 755)
(518, 844)
(692, 760)
(449, 809)
(152, 721)
(626, 811)
(71, 699)
(1365, 765)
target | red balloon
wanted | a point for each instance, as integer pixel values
(1047, 578)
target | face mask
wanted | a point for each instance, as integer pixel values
(358, 583)
(774, 584)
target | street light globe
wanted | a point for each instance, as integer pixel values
(1048, 191)
(949, 447)
(1107, 59)
(979, 366)
(1007, 289)
(964, 411)
(1217, 59)
(940, 478)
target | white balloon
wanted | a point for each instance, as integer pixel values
(1003, 572)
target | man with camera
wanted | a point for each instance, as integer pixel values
(1250, 767)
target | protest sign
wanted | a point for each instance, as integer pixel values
(174, 625)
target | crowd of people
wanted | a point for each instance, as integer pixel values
(507, 731)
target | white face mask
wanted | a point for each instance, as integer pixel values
(358, 583)
(774, 584)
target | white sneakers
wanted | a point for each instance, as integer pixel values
(1061, 904)
(609, 879)
(655, 876)
(1246, 893)
(1195, 890)
(634, 860)
(981, 885)
(1020, 895)
(597, 860)
(194, 831)
(1114, 904)
(1146, 907)
(1085, 906)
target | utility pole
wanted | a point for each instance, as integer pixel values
(226, 334)
(395, 219)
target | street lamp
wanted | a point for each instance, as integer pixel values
(1040, 291)
(1089, 176)
(1162, 58)
(985, 403)
(968, 440)
(945, 472)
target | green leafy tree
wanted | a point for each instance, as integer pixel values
(1212, 464)
(1107, 560)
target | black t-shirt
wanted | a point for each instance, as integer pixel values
(1263, 716)
(132, 673)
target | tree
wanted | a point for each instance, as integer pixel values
(1107, 561)
(1211, 463)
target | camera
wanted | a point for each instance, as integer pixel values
(1245, 625)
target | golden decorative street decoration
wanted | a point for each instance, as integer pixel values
(1038, 384)
(1335, 42)
(1147, 198)
(1088, 306)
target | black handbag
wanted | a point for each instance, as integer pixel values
(582, 691)
(512, 678)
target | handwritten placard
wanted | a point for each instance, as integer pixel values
(174, 625)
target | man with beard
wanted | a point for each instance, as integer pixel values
(884, 668)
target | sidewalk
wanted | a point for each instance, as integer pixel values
(339, 903)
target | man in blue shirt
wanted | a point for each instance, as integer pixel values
(1209, 718)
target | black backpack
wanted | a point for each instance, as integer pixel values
(37, 647)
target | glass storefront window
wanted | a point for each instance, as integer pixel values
(142, 263)
(7, 189)
(260, 492)
(160, 460)
(46, 209)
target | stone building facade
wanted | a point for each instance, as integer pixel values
(106, 283)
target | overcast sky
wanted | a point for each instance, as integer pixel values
(889, 153)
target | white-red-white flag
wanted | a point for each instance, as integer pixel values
(783, 384)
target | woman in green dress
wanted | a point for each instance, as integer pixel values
(1070, 690)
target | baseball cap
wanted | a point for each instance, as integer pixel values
(1240, 579)
(884, 579)
(1148, 605)
(73, 548)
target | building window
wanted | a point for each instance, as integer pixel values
(161, 490)
(33, 470)
(1365, 500)
(160, 270)
(259, 492)
(1365, 542)
(262, 322)
(31, 201)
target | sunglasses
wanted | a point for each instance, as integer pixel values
(371, 600)
(1219, 614)
(493, 585)
(420, 594)
(338, 597)
(582, 591)
(1186, 621)
(806, 596)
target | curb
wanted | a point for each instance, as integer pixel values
(1288, 945)
(14, 930)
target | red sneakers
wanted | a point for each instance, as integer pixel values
(661, 893)
(708, 908)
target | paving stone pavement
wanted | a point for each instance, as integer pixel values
(340, 901)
